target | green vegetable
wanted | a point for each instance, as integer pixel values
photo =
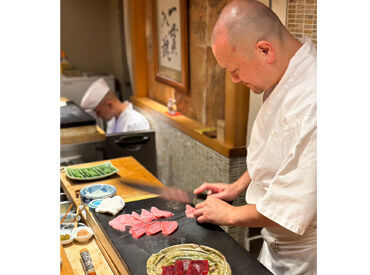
(65, 237)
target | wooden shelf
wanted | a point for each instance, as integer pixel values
(187, 126)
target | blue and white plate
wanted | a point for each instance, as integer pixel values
(95, 203)
(97, 191)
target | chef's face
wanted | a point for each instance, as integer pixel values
(245, 68)
(104, 110)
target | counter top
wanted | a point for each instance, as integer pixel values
(107, 251)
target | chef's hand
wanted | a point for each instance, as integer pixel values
(214, 210)
(221, 191)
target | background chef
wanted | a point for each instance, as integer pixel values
(251, 43)
(120, 116)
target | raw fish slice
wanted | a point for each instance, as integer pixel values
(168, 270)
(179, 267)
(136, 216)
(153, 228)
(117, 223)
(186, 264)
(138, 233)
(146, 215)
(137, 226)
(168, 227)
(160, 213)
(189, 211)
(198, 267)
(127, 219)
(138, 230)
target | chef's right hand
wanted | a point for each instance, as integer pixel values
(221, 191)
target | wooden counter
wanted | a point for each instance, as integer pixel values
(103, 254)
(80, 134)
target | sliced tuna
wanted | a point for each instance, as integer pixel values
(136, 216)
(117, 223)
(153, 228)
(138, 230)
(189, 211)
(160, 213)
(168, 227)
(168, 270)
(198, 267)
(146, 215)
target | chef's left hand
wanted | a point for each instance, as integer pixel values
(214, 211)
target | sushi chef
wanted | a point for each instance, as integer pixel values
(120, 116)
(251, 43)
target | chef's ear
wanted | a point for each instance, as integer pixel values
(266, 51)
(109, 103)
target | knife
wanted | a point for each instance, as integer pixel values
(167, 192)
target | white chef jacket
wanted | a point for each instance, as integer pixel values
(129, 120)
(281, 162)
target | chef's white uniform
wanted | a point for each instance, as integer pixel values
(129, 120)
(281, 162)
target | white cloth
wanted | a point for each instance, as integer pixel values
(111, 205)
(128, 121)
(281, 162)
(94, 94)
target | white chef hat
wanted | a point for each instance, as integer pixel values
(94, 94)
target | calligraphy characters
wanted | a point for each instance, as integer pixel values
(168, 43)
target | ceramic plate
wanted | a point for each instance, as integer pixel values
(67, 229)
(97, 191)
(91, 172)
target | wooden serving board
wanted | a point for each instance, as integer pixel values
(73, 253)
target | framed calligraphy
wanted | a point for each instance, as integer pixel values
(170, 43)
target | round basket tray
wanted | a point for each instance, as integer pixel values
(168, 256)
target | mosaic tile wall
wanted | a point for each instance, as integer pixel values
(302, 19)
(186, 163)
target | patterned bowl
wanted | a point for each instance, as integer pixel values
(97, 191)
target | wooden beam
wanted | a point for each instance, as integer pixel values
(236, 112)
(138, 47)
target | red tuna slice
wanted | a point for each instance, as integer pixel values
(146, 215)
(117, 223)
(153, 228)
(189, 211)
(168, 270)
(168, 227)
(137, 226)
(128, 220)
(136, 216)
(179, 267)
(198, 267)
(160, 213)
(182, 266)
(138, 230)
(138, 233)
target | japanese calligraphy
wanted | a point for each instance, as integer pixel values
(168, 43)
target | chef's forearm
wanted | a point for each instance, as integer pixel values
(243, 182)
(248, 216)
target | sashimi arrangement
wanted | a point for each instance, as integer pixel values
(188, 259)
(185, 267)
(144, 223)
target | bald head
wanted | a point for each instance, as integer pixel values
(244, 22)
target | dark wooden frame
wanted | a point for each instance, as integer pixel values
(183, 85)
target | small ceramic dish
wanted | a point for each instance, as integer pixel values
(97, 191)
(95, 203)
(64, 242)
(82, 239)
(69, 218)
